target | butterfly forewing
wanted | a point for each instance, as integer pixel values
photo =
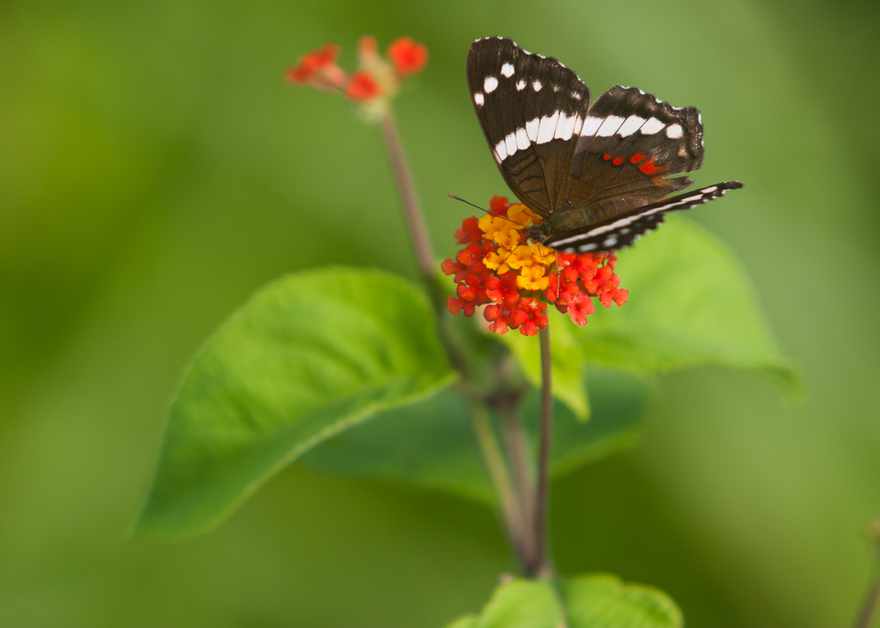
(531, 109)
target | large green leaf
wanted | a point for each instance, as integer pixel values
(590, 601)
(308, 357)
(431, 443)
(604, 601)
(518, 604)
(691, 304)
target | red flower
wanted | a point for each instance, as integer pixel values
(377, 79)
(407, 55)
(312, 64)
(513, 279)
(362, 86)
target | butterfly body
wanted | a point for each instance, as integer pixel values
(599, 174)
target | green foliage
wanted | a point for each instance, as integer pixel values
(590, 601)
(518, 604)
(604, 601)
(691, 304)
(309, 356)
(431, 443)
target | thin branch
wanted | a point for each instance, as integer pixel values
(513, 518)
(871, 603)
(541, 565)
(511, 508)
(421, 243)
(415, 221)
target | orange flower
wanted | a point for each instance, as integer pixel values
(362, 86)
(377, 79)
(313, 64)
(513, 279)
(407, 55)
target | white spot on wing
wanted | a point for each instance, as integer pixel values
(632, 124)
(510, 142)
(536, 85)
(610, 241)
(548, 128)
(520, 85)
(507, 70)
(565, 127)
(532, 128)
(500, 151)
(710, 189)
(674, 131)
(652, 126)
(489, 84)
(480, 99)
(576, 95)
(591, 125)
(522, 140)
(610, 126)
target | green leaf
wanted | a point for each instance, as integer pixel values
(469, 621)
(308, 357)
(432, 444)
(603, 601)
(518, 604)
(691, 304)
(590, 601)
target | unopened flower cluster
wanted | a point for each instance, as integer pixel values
(512, 279)
(377, 79)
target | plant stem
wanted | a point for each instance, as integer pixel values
(421, 243)
(415, 220)
(541, 566)
(872, 598)
(513, 518)
(512, 510)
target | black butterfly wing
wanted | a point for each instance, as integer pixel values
(622, 230)
(531, 109)
(629, 146)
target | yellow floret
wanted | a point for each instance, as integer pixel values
(522, 215)
(521, 257)
(543, 254)
(533, 278)
(500, 231)
(497, 261)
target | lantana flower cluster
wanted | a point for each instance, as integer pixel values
(512, 279)
(377, 79)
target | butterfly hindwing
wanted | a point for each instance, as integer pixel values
(629, 145)
(531, 109)
(621, 231)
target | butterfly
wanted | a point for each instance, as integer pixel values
(599, 175)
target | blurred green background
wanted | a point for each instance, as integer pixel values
(156, 170)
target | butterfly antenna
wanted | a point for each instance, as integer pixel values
(467, 202)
